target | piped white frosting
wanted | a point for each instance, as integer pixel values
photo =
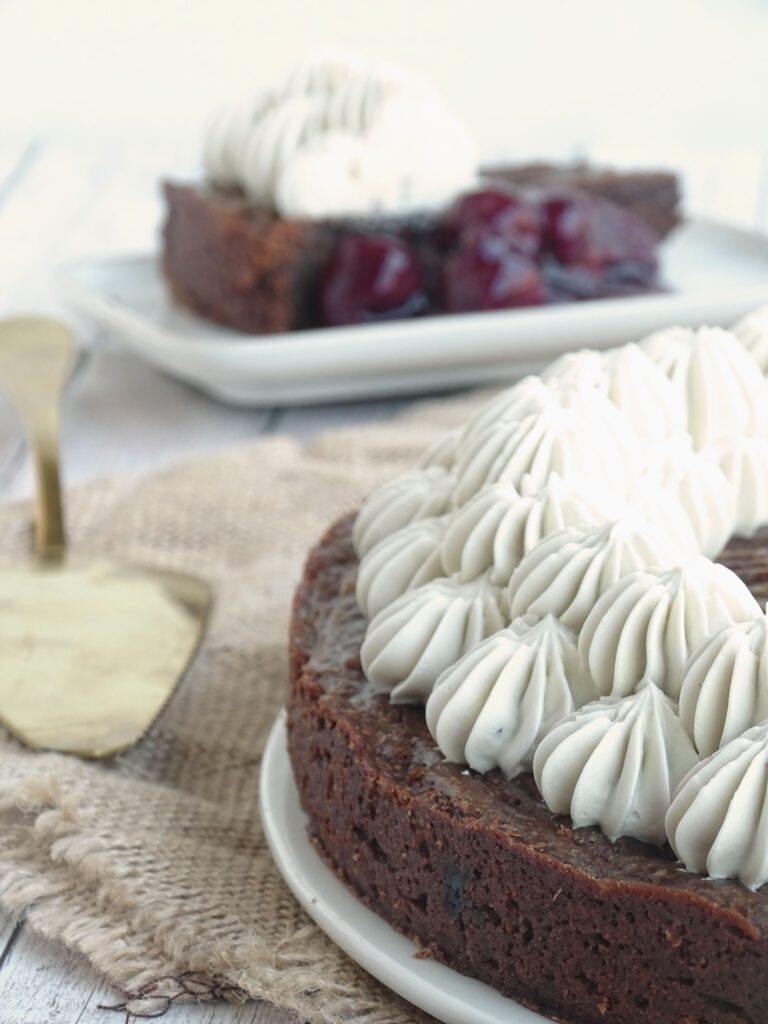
(567, 572)
(725, 684)
(410, 642)
(616, 763)
(498, 526)
(399, 562)
(698, 484)
(744, 462)
(420, 494)
(492, 707)
(718, 822)
(752, 332)
(589, 438)
(715, 380)
(585, 495)
(647, 624)
(340, 135)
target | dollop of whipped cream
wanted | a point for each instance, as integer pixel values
(744, 462)
(696, 481)
(493, 706)
(402, 561)
(588, 438)
(496, 528)
(529, 395)
(725, 684)
(568, 571)
(715, 381)
(718, 822)
(647, 624)
(341, 136)
(421, 494)
(410, 642)
(752, 332)
(616, 763)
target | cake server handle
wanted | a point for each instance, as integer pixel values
(36, 356)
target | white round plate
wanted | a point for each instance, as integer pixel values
(364, 936)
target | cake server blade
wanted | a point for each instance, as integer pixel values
(92, 649)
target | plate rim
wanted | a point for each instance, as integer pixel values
(381, 950)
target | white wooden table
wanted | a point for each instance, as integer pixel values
(60, 201)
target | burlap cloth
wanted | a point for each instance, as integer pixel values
(155, 865)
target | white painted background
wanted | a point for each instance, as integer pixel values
(672, 81)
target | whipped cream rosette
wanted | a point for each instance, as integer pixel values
(643, 393)
(499, 526)
(715, 380)
(529, 395)
(492, 707)
(588, 437)
(616, 763)
(442, 453)
(399, 562)
(718, 822)
(725, 684)
(744, 462)
(752, 332)
(696, 481)
(341, 136)
(410, 642)
(648, 624)
(421, 494)
(568, 571)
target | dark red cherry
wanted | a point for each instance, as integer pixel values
(370, 277)
(566, 228)
(485, 273)
(497, 210)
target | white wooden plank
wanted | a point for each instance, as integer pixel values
(309, 420)
(41, 981)
(122, 415)
(77, 199)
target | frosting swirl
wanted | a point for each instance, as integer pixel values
(715, 379)
(752, 332)
(492, 707)
(529, 395)
(566, 573)
(342, 136)
(616, 763)
(744, 463)
(573, 439)
(496, 528)
(402, 561)
(649, 622)
(420, 494)
(725, 684)
(410, 642)
(718, 822)
(700, 487)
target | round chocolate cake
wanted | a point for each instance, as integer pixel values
(529, 708)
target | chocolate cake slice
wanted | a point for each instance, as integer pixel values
(652, 195)
(477, 870)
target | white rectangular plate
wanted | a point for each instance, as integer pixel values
(717, 274)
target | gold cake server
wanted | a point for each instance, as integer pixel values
(90, 649)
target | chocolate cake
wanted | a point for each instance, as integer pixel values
(477, 870)
(240, 264)
(652, 195)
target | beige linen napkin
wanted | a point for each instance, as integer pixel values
(155, 866)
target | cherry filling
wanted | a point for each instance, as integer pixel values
(493, 248)
(371, 277)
